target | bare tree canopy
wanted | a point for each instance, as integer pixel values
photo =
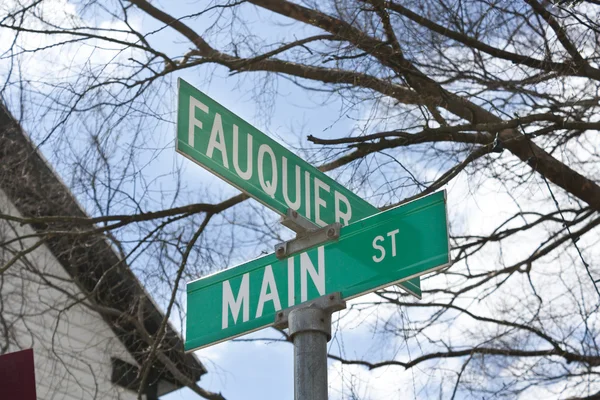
(498, 101)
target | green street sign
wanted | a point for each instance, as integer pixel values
(378, 251)
(229, 147)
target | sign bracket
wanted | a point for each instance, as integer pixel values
(329, 303)
(308, 239)
(298, 223)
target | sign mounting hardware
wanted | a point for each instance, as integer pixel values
(307, 240)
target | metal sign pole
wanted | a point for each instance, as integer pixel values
(309, 323)
(310, 328)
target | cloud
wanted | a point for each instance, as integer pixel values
(49, 60)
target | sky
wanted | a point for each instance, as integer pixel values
(264, 369)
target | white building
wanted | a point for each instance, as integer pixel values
(50, 299)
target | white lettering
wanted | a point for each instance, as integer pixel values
(307, 194)
(392, 234)
(319, 202)
(339, 215)
(378, 247)
(296, 204)
(268, 187)
(291, 287)
(268, 284)
(229, 303)
(318, 278)
(217, 140)
(195, 103)
(236, 157)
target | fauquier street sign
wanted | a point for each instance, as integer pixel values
(229, 147)
(378, 251)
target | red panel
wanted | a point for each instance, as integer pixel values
(17, 376)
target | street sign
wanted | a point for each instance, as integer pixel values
(229, 147)
(378, 251)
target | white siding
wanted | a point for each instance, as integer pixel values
(72, 345)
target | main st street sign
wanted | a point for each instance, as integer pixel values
(375, 252)
(231, 148)
(375, 249)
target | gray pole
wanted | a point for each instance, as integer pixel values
(310, 329)
(309, 323)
